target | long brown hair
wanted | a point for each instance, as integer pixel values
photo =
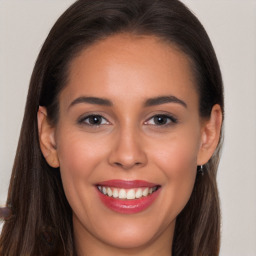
(40, 222)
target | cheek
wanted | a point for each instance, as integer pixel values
(79, 154)
(177, 153)
(79, 157)
(176, 158)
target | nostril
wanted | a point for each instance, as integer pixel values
(127, 165)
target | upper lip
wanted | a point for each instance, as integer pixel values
(128, 184)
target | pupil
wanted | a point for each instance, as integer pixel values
(160, 120)
(95, 120)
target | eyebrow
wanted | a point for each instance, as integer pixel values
(91, 100)
(149, 102)
(163, 100)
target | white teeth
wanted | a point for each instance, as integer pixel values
(115, 193)
(138, 193)
(122, 194)
(109, 192)
(145, 192)
(130, 194)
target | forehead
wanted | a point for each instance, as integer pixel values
(130, 67)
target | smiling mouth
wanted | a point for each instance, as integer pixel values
(127, 194)
(128, 197)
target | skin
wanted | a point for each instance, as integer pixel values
(128, 144)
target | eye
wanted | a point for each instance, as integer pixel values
(161, 120)
(93, 120)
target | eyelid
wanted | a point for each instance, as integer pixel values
(81, 119)
(172, 119)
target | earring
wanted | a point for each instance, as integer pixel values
(200, 170)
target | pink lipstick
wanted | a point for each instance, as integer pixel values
(127, 197)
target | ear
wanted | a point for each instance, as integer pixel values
(46, 138)
(210, 135)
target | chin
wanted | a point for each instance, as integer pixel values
(130, 239)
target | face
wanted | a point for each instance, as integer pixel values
(128, 140)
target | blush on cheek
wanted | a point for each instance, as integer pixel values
(79, 157)
(78, 153)
(176, 157)
(177, 161)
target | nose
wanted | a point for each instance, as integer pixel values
(128, 150)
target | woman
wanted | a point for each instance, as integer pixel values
(120, 140)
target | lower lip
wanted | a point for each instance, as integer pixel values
(128, 206)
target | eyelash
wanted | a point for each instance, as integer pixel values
(167, 120)
(83, 120)
(172, 120)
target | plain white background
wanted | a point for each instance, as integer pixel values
(231, 25)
